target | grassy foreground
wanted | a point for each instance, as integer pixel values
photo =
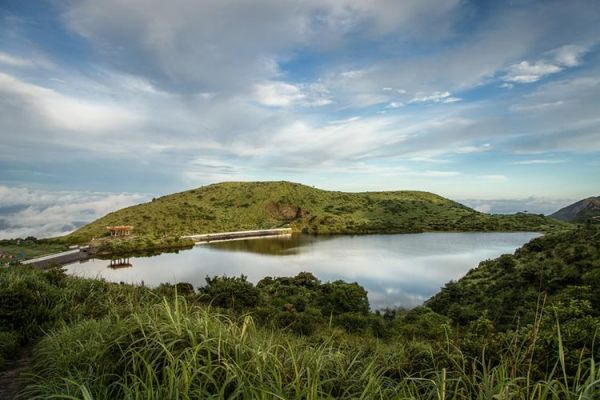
(236, 206)
(301, 338)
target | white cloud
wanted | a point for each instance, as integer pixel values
(558, 59)
(537, 205)
(278, 94)
(45, 213)
(451, 100)
(536, 107)
(14, 61)
(568, 56)
(435, 97)
(282, 94)
(182, 81)
(538, 161)
(484, 208)
(65, 112)
(344, 121)
(34, 61)
(232, 45)
(525, 72)
(473, 149)
(560, 115)
(395, 104)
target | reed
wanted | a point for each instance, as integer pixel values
(178, 350)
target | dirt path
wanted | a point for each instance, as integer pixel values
(10, 381)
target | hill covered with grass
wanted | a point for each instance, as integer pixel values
(235, 206)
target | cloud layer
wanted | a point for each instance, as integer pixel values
(42, 213)
(446, 96)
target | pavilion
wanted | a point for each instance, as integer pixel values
(120, 230)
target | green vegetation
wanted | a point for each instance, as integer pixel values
(29, 247)
(554, 279)
(518, 327)
(560, 271)
(235, 206)
(140, 245)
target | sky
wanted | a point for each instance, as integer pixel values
(108, 103)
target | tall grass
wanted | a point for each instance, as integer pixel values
(174, 350)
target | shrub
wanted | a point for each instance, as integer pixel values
(229, 292)
(340, 297)
(353, 322)
(422, 322)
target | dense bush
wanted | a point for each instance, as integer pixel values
(546, 271)
(423, 323)
(340, 297)
(229, 292)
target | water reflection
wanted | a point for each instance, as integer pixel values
(280, 246)
(397, 270)
(120, 263)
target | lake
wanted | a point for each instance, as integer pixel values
(400, 270)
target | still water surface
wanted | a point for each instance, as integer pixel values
(397, 270)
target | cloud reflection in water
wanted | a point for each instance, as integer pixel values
(397, 270)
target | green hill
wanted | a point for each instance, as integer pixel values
(580, 211)
(258, 205)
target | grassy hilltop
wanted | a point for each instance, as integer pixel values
(258, 205)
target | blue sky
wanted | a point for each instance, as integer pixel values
(103, 104)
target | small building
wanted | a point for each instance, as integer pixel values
(120, 230)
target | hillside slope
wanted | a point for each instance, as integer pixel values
(580, 211)
(258, 205)
(559, 270)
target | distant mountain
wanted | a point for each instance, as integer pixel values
(580, 211)
(233, 206)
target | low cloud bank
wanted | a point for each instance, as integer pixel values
(536, 205)
(44, 213)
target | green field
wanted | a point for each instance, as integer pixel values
(522, 326)
(235, 206)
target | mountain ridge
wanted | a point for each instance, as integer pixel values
(579, 211)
